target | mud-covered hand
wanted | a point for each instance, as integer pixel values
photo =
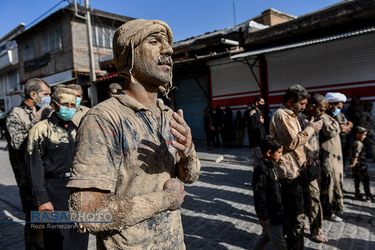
(176, 191)
(181, 131)
(38, 114)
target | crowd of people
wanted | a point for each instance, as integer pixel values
(125, 154)
(299, 156)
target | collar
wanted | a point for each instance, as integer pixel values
(55, 119)
(135, 105)
(267, 163)
(25, 106)
(287, 110)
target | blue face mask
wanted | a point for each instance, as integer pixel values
(336, 112)
(78, 102)
(46, 100)
(66, 113)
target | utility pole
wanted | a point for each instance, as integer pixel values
(94, 92)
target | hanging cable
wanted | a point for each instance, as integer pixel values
(45, 13)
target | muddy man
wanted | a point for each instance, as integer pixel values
(132, 148)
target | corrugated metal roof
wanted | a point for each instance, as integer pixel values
(305, 43)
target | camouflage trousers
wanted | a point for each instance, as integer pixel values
(295, 212)
(361, 175)
(315, 212)
(331, 196)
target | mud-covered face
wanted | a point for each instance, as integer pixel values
(153, 61)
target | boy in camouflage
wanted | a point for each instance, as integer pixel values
(357, 156)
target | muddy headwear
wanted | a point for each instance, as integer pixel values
(128, 36)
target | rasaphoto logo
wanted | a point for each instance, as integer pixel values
(71, 217)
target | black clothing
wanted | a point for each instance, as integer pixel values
(50, 152)
(256, 129)
(267, 193)
(209, 130)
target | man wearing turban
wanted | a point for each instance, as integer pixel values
(332, 157)
(131, 148)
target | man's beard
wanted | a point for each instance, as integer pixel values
(296, 109)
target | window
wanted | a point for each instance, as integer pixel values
(28, 51)
(52, 40)
(102, 36)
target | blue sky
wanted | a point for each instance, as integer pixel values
(187, 18)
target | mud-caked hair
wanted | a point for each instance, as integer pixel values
(34, 85)
(56, 95)
(296, 92)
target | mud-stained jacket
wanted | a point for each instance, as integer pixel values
(285, 127)
(50, 153)
(330, 143)
(81, 111)
(358, 150)
(267, 193)
(122, 150)
(19, 121)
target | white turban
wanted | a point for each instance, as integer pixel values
(335, 97)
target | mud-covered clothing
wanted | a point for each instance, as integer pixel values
(285, 127)
(331, 167)
(18, 123)
(123, 149)
(294, 208)
(80, 112)
(267, 193)
(256, 128)
(360, 170)
(49, 157)
(314, 211)
(50, 153)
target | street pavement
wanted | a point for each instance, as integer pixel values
(218, 211)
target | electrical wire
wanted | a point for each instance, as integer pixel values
(45, 13)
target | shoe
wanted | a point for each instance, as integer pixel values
(335, 218)
(369, 199)
(358, 197)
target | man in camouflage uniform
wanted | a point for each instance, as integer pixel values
(286, 128)
(131, 148)
(19, 121)
(316, 106)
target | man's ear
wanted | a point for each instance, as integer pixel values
(33, 94)
(290, 103)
